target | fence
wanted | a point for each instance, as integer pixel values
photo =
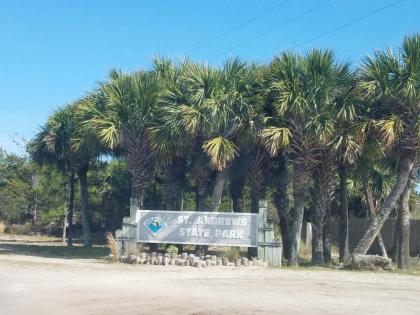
(357, 227)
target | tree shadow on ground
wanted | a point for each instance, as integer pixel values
(53, 250)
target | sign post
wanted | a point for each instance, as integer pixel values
(269, 250)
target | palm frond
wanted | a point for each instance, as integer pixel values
(275, 139)
(221, 151)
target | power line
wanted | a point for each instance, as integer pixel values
(334, 29)
(339, 27)
(237, 27)
(296, 17)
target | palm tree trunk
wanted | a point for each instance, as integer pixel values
(236, 189)
(174, 183)
(381, 244)
(70, 212)
(237, 198)
(140, 160)
(317, 240)
(87, 239)
(403, 260)
(300, 178)
(322, 178)
(201, 193)
(344, 214)
(285, 236)
(406, 163)
(326, 237)
(255, 197)
(281, 200)
(201, 198)
(397, 235)
(372, 211)
(137, 191)
(258, 192)
(66, 213)
(219, 186)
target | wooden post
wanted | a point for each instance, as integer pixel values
(262, 218)
(269, 250)
(128, 233)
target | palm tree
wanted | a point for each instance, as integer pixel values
(333, 106)
(286, 93)
(204, 110)
(170, 145)
(373, 179)
(60, 141)
(52, 146)
(120, 115)
(303, 91)
(258, 157)
(347, 145)
(391, 83)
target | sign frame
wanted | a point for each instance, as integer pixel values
(155, 241)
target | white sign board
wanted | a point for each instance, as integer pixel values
(199, 228)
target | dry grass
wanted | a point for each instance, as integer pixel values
(233, 253)
(22, 229)
(2, 227)
(113, 246)
(132, 248)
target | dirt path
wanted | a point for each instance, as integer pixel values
(37, 285)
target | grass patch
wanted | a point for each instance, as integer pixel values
(414, 268)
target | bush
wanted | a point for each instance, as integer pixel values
(22, 229)
(172, 249)
(132, 248)
(233, 253)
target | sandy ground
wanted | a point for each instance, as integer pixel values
(38, 285)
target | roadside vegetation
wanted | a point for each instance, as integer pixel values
(320, 138)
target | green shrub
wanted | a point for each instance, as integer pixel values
(172, 249)
(233, 253)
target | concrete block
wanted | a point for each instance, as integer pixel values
(166, 261)
(225, 261)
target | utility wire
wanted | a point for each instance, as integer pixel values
(333, 30)
(296, 17)
(344, 25)
(237, 27)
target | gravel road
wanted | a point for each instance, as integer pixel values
(38, 285)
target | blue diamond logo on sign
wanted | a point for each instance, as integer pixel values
(154, 224)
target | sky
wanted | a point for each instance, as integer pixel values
(52, 52)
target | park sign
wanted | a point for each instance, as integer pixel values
(199, 228)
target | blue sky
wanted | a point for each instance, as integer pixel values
(51, 52)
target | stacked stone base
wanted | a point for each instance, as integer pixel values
(187, 260)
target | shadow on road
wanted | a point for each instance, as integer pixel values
(52, 250)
